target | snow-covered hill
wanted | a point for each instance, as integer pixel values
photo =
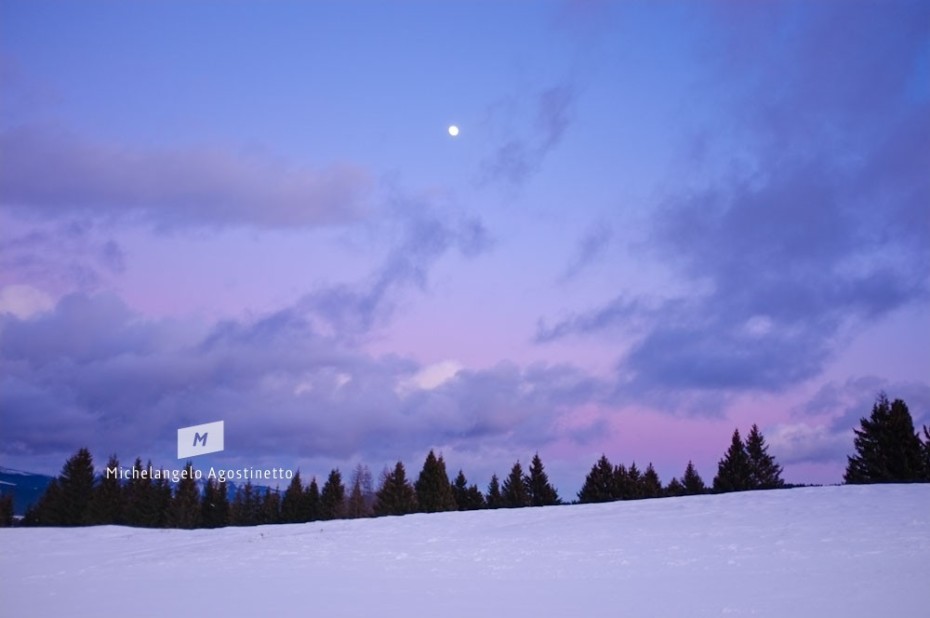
(832, 551)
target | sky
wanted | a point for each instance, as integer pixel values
(660, 222)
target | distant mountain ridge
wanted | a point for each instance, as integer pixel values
(25, 487)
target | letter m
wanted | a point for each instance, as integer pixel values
(198, 438)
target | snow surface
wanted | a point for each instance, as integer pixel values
(830, 551)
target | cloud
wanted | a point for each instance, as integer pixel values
(49, 173)
(92, 372)
(816, 225)
(521, 153)
(591, 247)
(24, 301)
(427, 236)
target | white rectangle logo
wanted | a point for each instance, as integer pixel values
(200, 439)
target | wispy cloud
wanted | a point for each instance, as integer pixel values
(590, 248)
(55, 173)
(522, 151)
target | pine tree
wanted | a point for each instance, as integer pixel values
(106, 501)
(495, 499)
(48, 510)
(6, 510)
(140, 498)
(733, 471)
(76, 483)
(888, 449)
(214, 505)
(926, 446)
(293, 501)
(312, 502)
(184, 510)
(764, 472)
(333, 496)
(674, 488)
(692, 481)
(541, 493)
(434, 493)
(467, 497)
(246, 507)
(514, 491)
(396, 496)
(600, 484)
(361, 497)
(651, 486)
(624, 488)
(270, 509)
(162, 497)
(634, 483)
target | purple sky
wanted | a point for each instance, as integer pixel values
(659, 222)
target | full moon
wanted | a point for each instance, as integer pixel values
(453, 130)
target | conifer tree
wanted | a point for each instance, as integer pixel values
(634, 483)
(624, 488)
(162, 497)
(692, 481)
(434, 493)
(106, 501)
(48, 511)
(214, 505)
(467, 497)
(184, 510)
(245, 508)
(6, 510)
(495, 499)
(764, 472)
(674, 488)
(333, 496)
(651, 486)
(733, 471)
(361, 496)
(76, 484)
(312, 502)
(514, 491)
(541, 492)
(888, 449)
(270, 509)
(293, 501)
(926, 445)
(396, 496)
(600, 484)
(137, 497)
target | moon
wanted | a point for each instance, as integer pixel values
(453, 130)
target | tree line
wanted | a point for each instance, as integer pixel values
(887, 450)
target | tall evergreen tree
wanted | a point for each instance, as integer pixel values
(634, 483)
(926, 445)
(514, 491)
(162, 497)
(293, 502)
(467, 497)
(888, 449)
(434, 493)
(333, 496)
(674, 488)
(244, 511)
(733, 471)
(6, 510)
(76, 483)
(651, 486)
(625, 487)
(541, 492)
(361, 497)
(270, 509)
(600, 484)
(692, 481)
(764, 473)
(312, 506)
(396, 496)
(140, 507)
(184, 510)
(106, 501)
(495, 499)
(214, 505)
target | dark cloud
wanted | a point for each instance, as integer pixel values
(121, 383)
(591, 247)
(522, 151)
(817, 225)
(52, 173)
(426, 237)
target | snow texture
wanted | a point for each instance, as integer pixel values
(831, 551)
